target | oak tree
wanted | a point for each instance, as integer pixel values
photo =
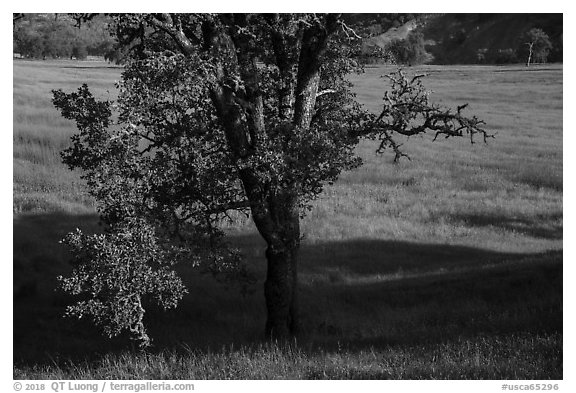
(536, 44)
(218, 114)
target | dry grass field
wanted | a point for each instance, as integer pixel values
(445, 266)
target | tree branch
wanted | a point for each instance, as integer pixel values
(325, 91)
(174, 29)
(314, 45)
(240, 206)
(407, 112)
(350, 33)
(81, 18)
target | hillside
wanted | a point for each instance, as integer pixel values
(394, 33)
(458, 38)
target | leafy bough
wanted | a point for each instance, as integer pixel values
(115, 274)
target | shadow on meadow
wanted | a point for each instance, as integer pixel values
(547, 227)
(354, 294)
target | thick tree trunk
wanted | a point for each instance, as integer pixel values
(280, 290)
(281, 286)
(294, 320)
(274, 207)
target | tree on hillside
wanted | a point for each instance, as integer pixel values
(220, 115)
(409, 51)
(535, 45)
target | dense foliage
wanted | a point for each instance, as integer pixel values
(125, 269)
(410, 51)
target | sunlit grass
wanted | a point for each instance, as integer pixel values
(41, 182)
(516, 176)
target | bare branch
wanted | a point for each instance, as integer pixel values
(416, 77)
(350, 33)
(407, 112)
(326, 91)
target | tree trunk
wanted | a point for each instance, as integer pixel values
(275, 208)
(280, 290)
(530, 45)
(281, 286)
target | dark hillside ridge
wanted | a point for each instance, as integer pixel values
(457, 38)
(460, 38)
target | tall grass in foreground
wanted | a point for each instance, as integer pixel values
(482, 358)
(445, 266)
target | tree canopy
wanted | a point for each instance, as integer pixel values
(219, 115)
(410, 50)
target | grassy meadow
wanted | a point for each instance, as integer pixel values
(447, 266)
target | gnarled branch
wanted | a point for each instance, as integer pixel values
(407, 112)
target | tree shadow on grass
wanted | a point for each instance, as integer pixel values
(354, 294)
(548, 227)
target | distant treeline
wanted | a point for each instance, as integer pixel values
(42, 36)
